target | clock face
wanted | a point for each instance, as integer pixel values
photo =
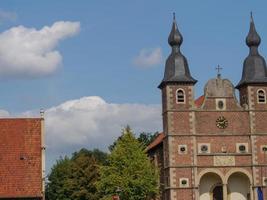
(221, 122)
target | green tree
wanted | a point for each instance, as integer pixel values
(84, 175)
(146, 138)
(99, 156)
(75, 178)
(129, 169)
(57, 189)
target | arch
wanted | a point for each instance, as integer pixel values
(261, 96)
(180, 96)
(214, 171)
(239, 185)
(210, 185)
(238, 170)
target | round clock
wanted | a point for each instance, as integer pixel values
(221, 122)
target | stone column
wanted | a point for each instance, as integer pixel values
(225, 192)
(255, 193)
(197, 193)
(251, 193)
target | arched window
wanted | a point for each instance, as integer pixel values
(180, 96)
(261, 96)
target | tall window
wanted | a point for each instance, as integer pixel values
(180, 96)
(261, 96)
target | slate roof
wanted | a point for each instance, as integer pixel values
(254, 66)
(176, 67)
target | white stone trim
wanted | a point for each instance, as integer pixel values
(176, 96)
(217, 102)
(181, 180)
(239, 144)
(263, 146)
(258, 96)
(182, 146)
(200, 146)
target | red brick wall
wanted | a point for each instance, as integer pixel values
(180, 123)
(238, 122)
(184, 123)
(183, 159)
(20, 158)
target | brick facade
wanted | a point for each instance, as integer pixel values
(214, 147)
(191, 125)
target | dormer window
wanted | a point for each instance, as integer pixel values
(180, 96)
(261, 96)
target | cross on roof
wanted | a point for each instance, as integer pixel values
(218, 70)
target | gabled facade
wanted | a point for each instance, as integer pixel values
(214, 147)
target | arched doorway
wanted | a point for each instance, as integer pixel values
(217, 193)
(210, 187)
(238, 187)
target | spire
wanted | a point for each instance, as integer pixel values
(175, 37)
(253, 39)
(254, 66)
(176, 67)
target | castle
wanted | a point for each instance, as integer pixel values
(213, 147)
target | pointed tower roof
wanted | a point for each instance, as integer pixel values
(176, 67)
(254, 66)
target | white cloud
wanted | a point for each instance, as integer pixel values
(148, 58)
(7, 16)
(91, 122)
(28, 52)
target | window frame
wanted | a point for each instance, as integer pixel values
(184, 96)
(182, 146)
(258, 96)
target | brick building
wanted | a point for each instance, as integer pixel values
(214, 147)
(22, 159)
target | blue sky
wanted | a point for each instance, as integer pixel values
(112, 54)
(98, 60)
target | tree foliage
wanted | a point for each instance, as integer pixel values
(57, 186)
(147, 138)
(144, 137)
(75, 178)
(129, 170)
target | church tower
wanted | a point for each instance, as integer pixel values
(252, 86)
(214, 147)
(177, 89)
(252, 89)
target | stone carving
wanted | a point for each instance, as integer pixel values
(224, 160)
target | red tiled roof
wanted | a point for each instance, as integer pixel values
(156, 141)
(21, 159)
(199, 101)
